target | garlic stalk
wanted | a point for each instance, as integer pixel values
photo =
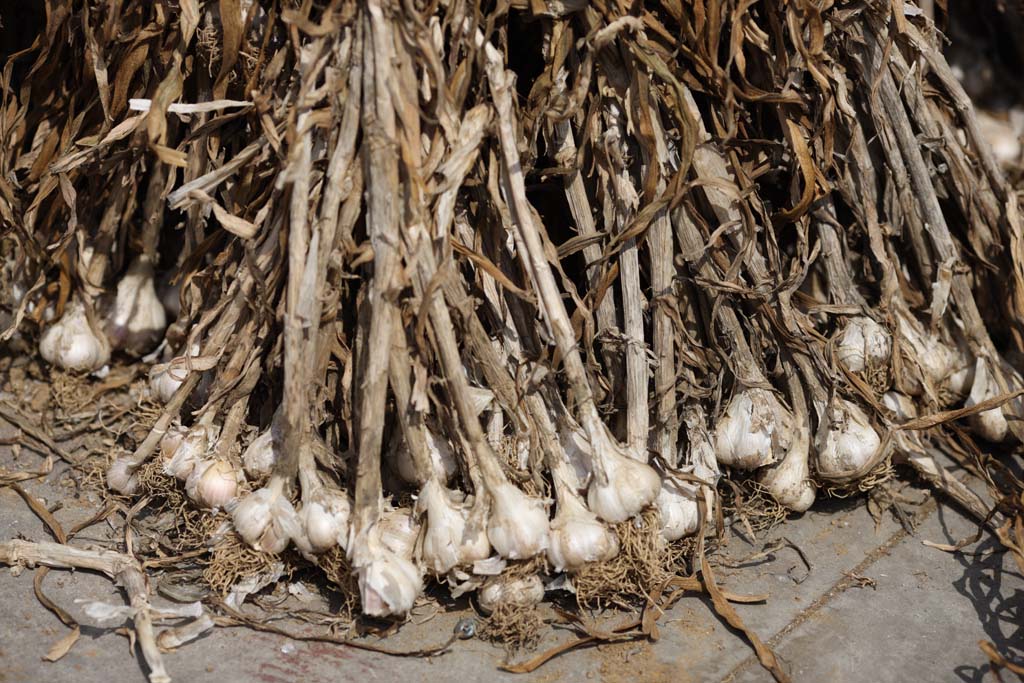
(701, 453)
(754, 431)
(137, 320)
(73, 343)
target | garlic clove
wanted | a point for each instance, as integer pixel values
(121, 476)
(212, 483)
(754, 430)
(260, 455)
(325, 518)
(846, 441)
(138, 318)
(72, 343)
(523, 592)
(577, 537)
(518, 525)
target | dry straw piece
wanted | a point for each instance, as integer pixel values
(398, 271)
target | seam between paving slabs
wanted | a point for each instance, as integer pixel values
(848, 579)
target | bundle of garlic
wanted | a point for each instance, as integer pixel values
(439, 296)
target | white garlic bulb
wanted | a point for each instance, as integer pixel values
(524, 592)
(789, 482)
(325, 518)
(266, 520)
(212, 483)
(442, 538)
(165, 378)
(577, 536)
(863, 344)
(181, 452)
(518, 525)
(678, 508)
(475, 545)
(138, 319)
(388, 583)
(621, 487)
(948, 367)
(121, 476)
(260, 455)
(846, 441)
(754, 431)
(71, 343)
(901, 406)
(990, 425)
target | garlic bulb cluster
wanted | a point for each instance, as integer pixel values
(577, 537)
(525, 591)
(72, 343)
(260, 455)
(450, 539)
(863, 344)
(754, 431)
(266, 519)
(212, 483)
(325, 518)
(846, 441)
(518, 524)
(137, 321)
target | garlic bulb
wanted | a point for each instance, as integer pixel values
(212, 483)
(121, 476)
(72, 343)
(577, 453)
(388, 582)
(445, 525)
(260, 455)
(475, 545)
(181, 452)
(754, 430)
(678, 508)
(789, 482)
(518, 525)
(863, 344)
(398, 531)
(901, 406)
(165, 378)
(266, 520)
(990, 425)
(948, 368)
(621, 486)
(577, 536)
(325, 518)
(138, 319)
(442, 459)
(846, 441)
(524, 592)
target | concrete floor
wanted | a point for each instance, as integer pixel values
(877, 605)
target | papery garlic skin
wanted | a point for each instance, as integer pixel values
(621, 487)
(863, 344)
(475, 545)
(522, 592)
(388, 584)
(518, 525)
(577, 454)
(212, 483)
(138, 319)
(398, 530)
(121, 476)
(949, 368)
(260, 455)
(71, 343)
(901, 406)
(577, 537)
(846, 440)
(325, 517)
(754, 430)
(678, 508)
